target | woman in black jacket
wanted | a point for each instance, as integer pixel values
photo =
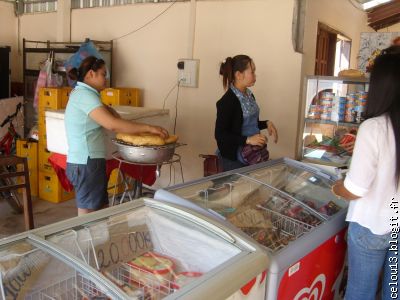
(238, 121)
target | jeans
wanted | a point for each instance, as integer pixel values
(90, 183)
(228, 165)
(368, 253)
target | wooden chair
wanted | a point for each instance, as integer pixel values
(13, 161)
(211, 164)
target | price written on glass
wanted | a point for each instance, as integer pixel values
(15, 283)
(123, 246)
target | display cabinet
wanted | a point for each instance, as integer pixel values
(332, 110)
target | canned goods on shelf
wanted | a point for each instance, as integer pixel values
(326, 110)
(326, 103)
(351, 97)
(325, 116)
(349, 118)
(314, 108)
(314, 115)
(362, 95)
(327, 95)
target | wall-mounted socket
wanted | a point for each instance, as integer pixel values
(188, 72)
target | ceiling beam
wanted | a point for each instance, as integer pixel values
(385, 15)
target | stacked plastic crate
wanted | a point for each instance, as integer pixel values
(121, 96)
(50, 188)
(115, 97)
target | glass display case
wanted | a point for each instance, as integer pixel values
(332, 110)
(138, 250)
(289, 209)
(31, 269)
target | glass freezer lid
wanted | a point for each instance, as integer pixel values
(28, 272)
(147, 252)
(311, 189)
(270, 217)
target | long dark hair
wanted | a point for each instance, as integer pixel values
(384, 93)
(89, 63)
(232, 65)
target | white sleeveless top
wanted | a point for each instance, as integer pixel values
(372, 177)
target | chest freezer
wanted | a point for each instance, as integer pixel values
(288, 208)
(56, 135)
(150, 250)
(31, 269)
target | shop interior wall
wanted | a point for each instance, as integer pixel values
(261, 28)
(8, 35)
(37, 27)
(147, 59)
(340, 15)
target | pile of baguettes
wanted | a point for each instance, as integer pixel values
(146, 139)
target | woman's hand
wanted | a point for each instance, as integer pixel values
(272, 131)
(339, 190)
(157, 130)
(257, 140)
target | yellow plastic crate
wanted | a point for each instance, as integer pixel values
(30, 151)
(33, 181)
(53, 98)
(42, 126)
(42, 138)
(50, 188)
(65, 92)
(113, 181)
(44, 155)
(50, 98)
(121, 96)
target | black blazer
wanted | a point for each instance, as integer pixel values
(228, 126)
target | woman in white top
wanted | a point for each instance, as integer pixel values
(372, 187)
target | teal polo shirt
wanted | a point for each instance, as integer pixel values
(84, 136)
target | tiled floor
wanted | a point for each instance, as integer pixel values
(44, 213)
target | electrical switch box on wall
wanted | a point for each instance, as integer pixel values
(188, 72)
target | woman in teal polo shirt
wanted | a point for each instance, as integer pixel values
(85, 118)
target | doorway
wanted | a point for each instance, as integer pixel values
(332, 51)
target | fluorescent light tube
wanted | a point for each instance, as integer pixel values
(373, 3)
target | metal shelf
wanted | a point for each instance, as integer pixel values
(344, 80)
(348, 124)
(36, 47)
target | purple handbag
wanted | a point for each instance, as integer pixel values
(255, 154)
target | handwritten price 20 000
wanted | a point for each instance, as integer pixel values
(132, 245)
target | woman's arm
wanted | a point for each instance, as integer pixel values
(363, 165)
(338, 189)
(106, 119)
(112, 111)
(272, 131)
